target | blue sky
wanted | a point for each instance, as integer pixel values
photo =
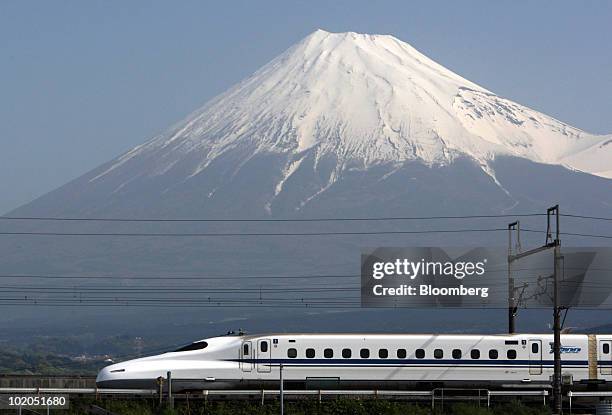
(81, 82)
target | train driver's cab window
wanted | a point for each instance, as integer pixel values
(511, 353)
(364, 353)
(401, 353)
(493, 354)
(328, 353)
(193, 346)
(263, 347)
(346, 353)
(438, 353)
(606, 348)
(475, 354)
(292, 353)
(419, 353)
(456, 354)
(383, 353)
(310, 353)
(535, 348)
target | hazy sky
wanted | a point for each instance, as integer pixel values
(81, 82)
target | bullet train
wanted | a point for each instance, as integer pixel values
(373, 361)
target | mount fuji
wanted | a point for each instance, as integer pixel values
(340, 125)
(332, 107)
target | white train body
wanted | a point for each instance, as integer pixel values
(380, 361)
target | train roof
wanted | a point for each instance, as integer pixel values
(352, 335)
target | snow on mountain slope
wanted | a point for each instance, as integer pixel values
(594, 159)
(364, 100)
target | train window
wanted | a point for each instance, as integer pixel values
(328, 353)
(245, 350)
(606, 348)
(310, 353)
(292, 353)
(493, 354)
(401, 353)
(456, 354)
(475, 354)
(535, 348)
(438, 353)
(383, 353)
(193, 346)
(346, 353)
(419, 353)
(263, 347)
(364, 353)
(511, 353)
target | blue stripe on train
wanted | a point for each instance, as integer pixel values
(411, 362)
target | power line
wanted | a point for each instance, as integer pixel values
(587, 235)
(389, 218)
(178, 290)
(250, 234)
(235, 234)
(213, 305)
(569, 215)
(242, 277)
(268, 220)
(179, 277)
(584, 235)
(292, 305)
(219, 300)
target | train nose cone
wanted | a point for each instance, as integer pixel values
(103, 377)
(110, 377)
(124, 376)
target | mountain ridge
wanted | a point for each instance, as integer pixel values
(361, 100)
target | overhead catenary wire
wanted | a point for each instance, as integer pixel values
(186, 290)
(570, 215)
(178, 277)
(271, 220)
(348, 233)
(247, 234)
(255, 220)
(241, 277)
(292, 305)
(290, 234)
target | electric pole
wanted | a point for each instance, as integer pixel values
(555, 245)
(512, 306)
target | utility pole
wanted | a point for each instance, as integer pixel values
(281, 389)
(160, 383)
(170, 397)
(555, 245)
(512, 306)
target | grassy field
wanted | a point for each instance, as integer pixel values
(305, 407)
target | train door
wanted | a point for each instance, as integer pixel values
(246, 357)
(535, 357)
(605, 357)
(264, 354)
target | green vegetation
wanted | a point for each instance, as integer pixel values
(82, 354)
(302, 407)
(44, 363)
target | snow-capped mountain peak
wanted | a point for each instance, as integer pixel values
(366, 100)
